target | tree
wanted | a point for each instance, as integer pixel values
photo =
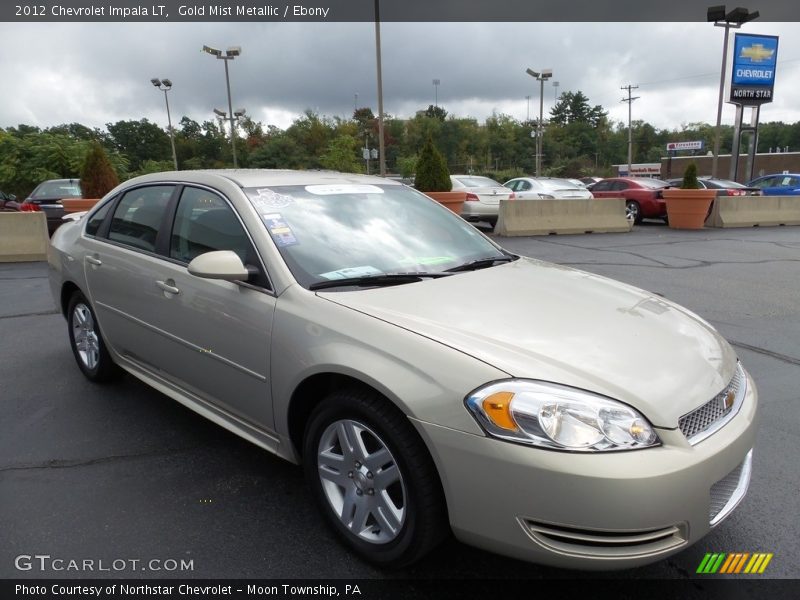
(432, 172)
(97, 175)
(340, 155)
(140, 141)
(436, 112)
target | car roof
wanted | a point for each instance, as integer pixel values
(247, 178)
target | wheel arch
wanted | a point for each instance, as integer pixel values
(67, 290)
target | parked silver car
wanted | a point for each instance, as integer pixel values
(428, 380)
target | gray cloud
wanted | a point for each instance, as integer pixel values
(97, 73)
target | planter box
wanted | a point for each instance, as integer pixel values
(452, 200)
(73, 205)
(688, 209)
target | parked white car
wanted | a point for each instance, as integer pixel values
(535, 188)
(483, 197)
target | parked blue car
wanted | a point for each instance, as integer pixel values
(786, 184)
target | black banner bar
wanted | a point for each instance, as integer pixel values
(364, 10)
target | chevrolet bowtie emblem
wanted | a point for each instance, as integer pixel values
(757, 53)
(728, 399)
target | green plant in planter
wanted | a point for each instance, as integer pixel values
(432, 172)
(690, 178)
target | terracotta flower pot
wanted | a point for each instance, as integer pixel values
(688, 209)
(452, 200)
(73, 205)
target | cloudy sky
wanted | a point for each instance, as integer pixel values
(96, 73)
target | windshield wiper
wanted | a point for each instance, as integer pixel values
(383, 279)
(481, 263)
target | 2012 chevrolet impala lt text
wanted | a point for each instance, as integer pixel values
(428, 380)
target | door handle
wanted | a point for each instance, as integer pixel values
(94, 261)
(168, 286)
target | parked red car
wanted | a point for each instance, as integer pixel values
(643, 198)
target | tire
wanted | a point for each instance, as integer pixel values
(633, 211)
(87, 343)
(382, 496)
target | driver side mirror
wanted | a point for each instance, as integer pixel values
(220, 264)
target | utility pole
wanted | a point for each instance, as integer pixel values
(630, 100)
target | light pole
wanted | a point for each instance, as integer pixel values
(730, 20)
(229, 55)
(555, 91)
(165, 85)
(381, 144)
(541, 77)
(223, 116)
(528, 109)
(436, 83)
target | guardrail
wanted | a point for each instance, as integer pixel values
(546, 217)
(23, 236)
(754, 211)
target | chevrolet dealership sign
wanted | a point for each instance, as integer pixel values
(753, 72)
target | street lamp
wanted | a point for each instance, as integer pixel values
(729, 20)
(541, 77)
(436, 83)
(229, 55)
(165, 85)
(223, 116)
(555, 91)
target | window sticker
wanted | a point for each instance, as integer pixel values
(331, 190)
(351, 272)
(279, 229)
(266, 200)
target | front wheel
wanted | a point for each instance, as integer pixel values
(87, 343)
(373, 478)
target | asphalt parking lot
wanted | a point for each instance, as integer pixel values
(122, 472)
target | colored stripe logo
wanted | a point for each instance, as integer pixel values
(734, 563)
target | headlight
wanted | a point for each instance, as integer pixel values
(558, 417)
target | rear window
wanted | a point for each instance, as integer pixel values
(57, 189)
(474, 182)
(655, 184)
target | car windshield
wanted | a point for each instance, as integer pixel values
(559, 184)
(475, 182)
(348, 231)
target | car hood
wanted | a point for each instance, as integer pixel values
(537, 320)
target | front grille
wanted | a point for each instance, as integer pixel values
(605, 544)
(702, 422)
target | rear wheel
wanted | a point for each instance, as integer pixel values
(373, 479)
(633, 211)
(87, 343)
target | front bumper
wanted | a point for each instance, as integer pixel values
(592, 511)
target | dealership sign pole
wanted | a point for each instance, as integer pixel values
(752, 84)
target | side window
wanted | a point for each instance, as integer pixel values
(619, 186)
(97, 219)
(523, 186)
(139, 215)
(601, 186)
(204, 223)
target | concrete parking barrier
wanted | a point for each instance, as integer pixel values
(23, 237)
(545, 217)
(754, 211)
